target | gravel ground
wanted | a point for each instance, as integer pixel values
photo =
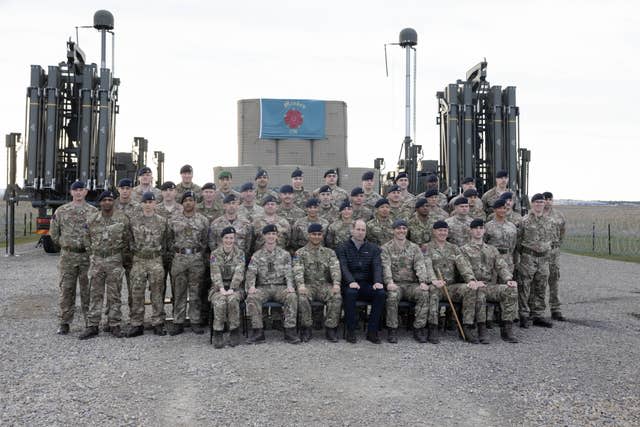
(581, 372)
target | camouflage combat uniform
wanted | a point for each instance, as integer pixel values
(339, 194)
(68, 230)
(300, 197)
(420, 229)
(227, 271)
(558, 229)
(164, 211)
(212, 212)
(138, 191)
(250, 212)
(399, 212)
(330, 213)
(271, 274)
(291, 214)
(489, 198)
(244, 232)
(504, 237)
(478, 205)
(379, 231)
(299, 231)
(261, 194)
(371, 198)
(407, 199)
(221, 194)
(284, 231)
(364, 213)
(338, 232)
(181, 188)
(317, 270)
(476, 212)
(131, 209)
(459, 229)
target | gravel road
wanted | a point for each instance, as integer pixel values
(581, 372)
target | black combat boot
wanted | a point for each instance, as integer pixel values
(290, 336)
(482, 333)
(556, 315)
(433, 334)
(159, 330)
(372, 336)
(135, 331)
(541, 321)
(331, 335)
(177, 329)
(256, 336)
(524, 322)
(89, 332)
(234, 337)
(106, 328)
(197, 329)
(351, 336)
(306, 334)
(419, 334)
(506, 332)
(115, 332)
(63, 329)
(489, 324)
(470, 334)
(393, 335)
(218, 339)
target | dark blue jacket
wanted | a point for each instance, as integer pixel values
(363, 266)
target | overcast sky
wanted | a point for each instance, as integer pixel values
(185, 64)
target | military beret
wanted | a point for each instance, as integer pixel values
(125, 182)
(432, 178)
(502, 174)
(312, 202)
(143, 170)
(506, 195)
(227, 230)
(186, 195)
(148, 196)
(168, 185)
(430, 193)
(330, 172)
(262, 174)
(472, 192)
(314, 228)
(230, 198)
(325, 189)
(269, 228)
(209, 186)
(296, 173)
(537, 197)
(246, 187)
(440, 224)
(478, 222)
(286, 189)
(269, 199)
(401, 175)
(468, 180)
(225, 174)
(500, 203)
(461, 201)
(106, 194)
(394, 187)
(547, 195)
(399, 223)
(420, 202)
(381, 202)
(356, 191)
(186, 169)
(367, 176)
(77, 184)
(345, 204)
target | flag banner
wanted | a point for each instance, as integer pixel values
(292, 119)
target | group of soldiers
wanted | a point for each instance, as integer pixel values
(225, 249)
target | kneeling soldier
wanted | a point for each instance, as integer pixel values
(487, 264)
(227, 274)
(406, 277)
(317, 275)
(269, 278)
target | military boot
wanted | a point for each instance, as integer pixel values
(218, 339)
(433, 334)
(419, 335)
(234, 337)
(197, 329)
(89, 332)
(351, 336)
(135, 331)
(470, 334)
(256, 336)
(116, 332)
(372, 336)
(106, 328)
(524, 322)
(159, 330)
(541, 321)
(63, 329)
(489, 324)
(290, 336)
(392, 336)
(177, 329)
(506, 332)
(556, 315)
(331, 335)
(482, 333)
(305, 334)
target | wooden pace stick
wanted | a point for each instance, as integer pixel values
(455, 314)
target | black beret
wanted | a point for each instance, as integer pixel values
(269, 228)
(461, 201)
(432, 178)
(187, 194)
(506, 195)
(286, 189)
(229, 198)
(246, 187)
(324, 189)
(470, 193)
(125, 182)
(537, 197)
(312, 202)
(269, 199)
(262, 174)
(440, 224)
(430, 193)
(77, 184)
(394, 187)
(399, 223)
(420, 202)
(106, 194)
(478, 222)
(381, 202)
(401, 175)
(468, 180)
(186, 169)
(147, 196)
(314, 228)
(209, 186)
(143, 170)
(167, 185)
(356, 191)
(500, 203)
(345, 204)
(502, 174)
(330, 172)
(297, 173)
(227, 230)
(367, 176)
(547, 195)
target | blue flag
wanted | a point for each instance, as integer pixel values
(292, 119)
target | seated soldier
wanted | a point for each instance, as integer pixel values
(269, 278)
(316, 271)
(227, 274)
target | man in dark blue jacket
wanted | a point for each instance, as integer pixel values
(361, 280)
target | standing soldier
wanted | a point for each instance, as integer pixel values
(168, 206)
(435, 210)
(108, 238)
(210, 206)
(327, 209)
(225, 179)
(420, 224)
(300, 195)
(511, 215)
(331, 179)
(317, 275)
(287, 208)
(262, 187)
(502, 234)
(339, 231)
(554, 259)
(299, 231)
(269, 278)
(379, 230)
(248, 208)
(433, 183)
(397, 209)
(488, 267)
(69, 231)
(188, 232)
(227, 277)
(475, 211)
(241, 225)
(368, 185)
(149, 234)
(402, 181)
(360, 209)
(271, 217)
(130, 208)
(488, 198)
(534, 240)
(187, 184)
(459, 223)
(145, 178)
(467, 183)
(406, 277)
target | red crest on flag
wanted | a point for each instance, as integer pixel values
(293, 119)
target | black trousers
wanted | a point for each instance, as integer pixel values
(376, 297)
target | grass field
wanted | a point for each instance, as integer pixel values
(24, 228)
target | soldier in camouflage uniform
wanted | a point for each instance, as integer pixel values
(339, 193)
(169, 205)
(433, 197)
(475, 211)
(68, 230)
(227, 277)
(188, 231)
(130, 208)
(534, 242)
(317, 275)
(108, 239)
(300, 195)
(299, 231)
(379, 230)
(467, 183)
(495, 283)
(187, 184)
(248, 208)
(241, 225)
(459, 223)
(502, 234)
(225, 181)
(262, 187)
(448, 263)
(145, 177)
(420, 224)
(559, 223)
(210, 206)
(368, 185)
(397, 209)
(269, 278)
(402, 181)
(339, 231)
(488, 198)
(327, 209)
(360, 209)
(149, 234)
(406, 278)
(271, 217)
(511, 215)
(432, 183)
(287, 208)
